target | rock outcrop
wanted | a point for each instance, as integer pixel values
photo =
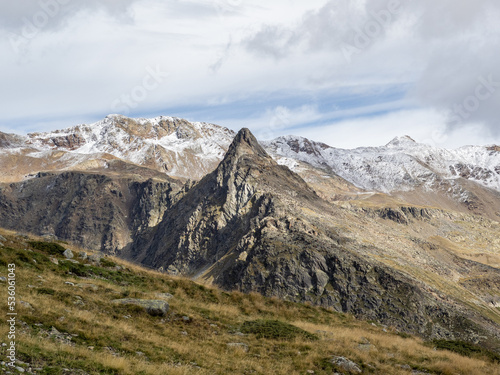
(96, 210)
(249, 225)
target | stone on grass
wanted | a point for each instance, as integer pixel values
(68, 254)
(346, 364)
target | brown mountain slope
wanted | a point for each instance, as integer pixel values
(256, 226)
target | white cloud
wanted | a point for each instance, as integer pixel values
(229, 55)
(424, 126)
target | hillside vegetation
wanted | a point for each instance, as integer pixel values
(68, 322)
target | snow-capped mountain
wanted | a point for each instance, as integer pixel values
(175, 146)
(186, 149)
(401, 165)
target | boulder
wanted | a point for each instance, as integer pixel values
(95, 258)
(163, 295)
(92, 287)
(68, 254)
(346, 364)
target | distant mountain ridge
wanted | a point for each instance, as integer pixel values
(171, 145)
(401, 165)
(186, 149)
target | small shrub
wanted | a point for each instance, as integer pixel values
(21, 257)
(48, 291)
(77, 269)
(404, 335)
(107, 263)
(275, 329)
(48, 247)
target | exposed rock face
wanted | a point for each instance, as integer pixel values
(9, 140)
(213, 216)
(94, 210)
(243, 226)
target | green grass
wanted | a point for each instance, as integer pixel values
(48, 247)
(466, 349)
(275, 329)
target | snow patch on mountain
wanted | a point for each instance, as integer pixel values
(401, 165)
(170, 144)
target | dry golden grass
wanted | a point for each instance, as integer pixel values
(110, 339)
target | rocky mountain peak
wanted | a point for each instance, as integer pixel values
(245, 143)
(6, 140)
(402, 141)
(244, 152)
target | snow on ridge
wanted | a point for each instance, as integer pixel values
(105, 136)
(401, 165)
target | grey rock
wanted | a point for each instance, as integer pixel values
(92, 287)
(82, 255)
(164, 295)
(3, 279)
(152, 307)
(68, 254)
(2, 238)
(54, 260)
(346, 364)
(88, 208)
(405, 367)
(95, 258)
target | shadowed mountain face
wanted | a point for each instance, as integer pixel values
(95, 210)
(255, 225)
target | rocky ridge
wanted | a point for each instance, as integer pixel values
(245, 226)
(170, 145)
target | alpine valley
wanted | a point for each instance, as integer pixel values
(405, 235)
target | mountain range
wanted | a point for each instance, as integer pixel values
(404, 234)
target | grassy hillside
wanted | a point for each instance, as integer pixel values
(67, 323)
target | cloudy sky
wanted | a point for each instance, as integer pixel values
(346, 72)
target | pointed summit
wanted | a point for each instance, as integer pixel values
(401, 142)
(245, 151)
(245, 143)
